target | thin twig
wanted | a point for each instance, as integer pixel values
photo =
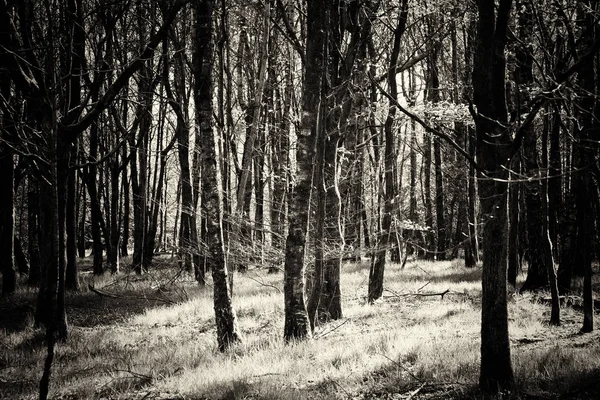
(331, 330)
(419, 289)
(396, 363)
(263, 283)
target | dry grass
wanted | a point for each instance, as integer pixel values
(404, 343)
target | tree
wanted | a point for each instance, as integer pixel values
(493, 152)
(211, 205)
(297, 325)
(378, 259)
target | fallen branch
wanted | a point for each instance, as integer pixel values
(101, 292)
(442, 294)
(115, 296)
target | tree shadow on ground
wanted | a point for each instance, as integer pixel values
(84, 309)
(455, 276)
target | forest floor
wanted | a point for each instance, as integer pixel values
(153, 337)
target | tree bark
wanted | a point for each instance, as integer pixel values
(514, 259)
(378, 259)
(297, 325)
(489, 67)
(7, 220)
(226, 321)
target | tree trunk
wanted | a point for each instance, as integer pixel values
(81, 215)
(72, 278)
(426, 182)
(496, 373)
(96, 213)
(126, 187)
(7, 220)
(439, 202)
(33, 232)
(297, 325)
(226, 321)
(472, 201)
(514, 259)
(378, 259)
(587, 136)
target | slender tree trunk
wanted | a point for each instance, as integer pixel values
(426, 182)
(72, 278)
(126, 187)
(72, 67)
(33, 232)
(471, 203)
(439, 202)
(113, 254)
(378, 259)
(514, 259)
(82, 216)
(96, 213)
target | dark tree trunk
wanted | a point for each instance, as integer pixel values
(7, 220)
(126, 187)
(280, 164)
(540, 249)
(188, 238)
(33, 232)
(439, 202)
(96, 213)
(514, 259)
(113, 254)
(82, 217)
(297, 325)
(471, 204)
(430, 234)
(412, 208)
(259, 193)
(318, 277)
(20, 258)
(72, 278)
(493, 142)
(587, 156)
(378, 259)
(555, 190)
(227, 330)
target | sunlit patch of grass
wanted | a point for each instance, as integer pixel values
(397, 344)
